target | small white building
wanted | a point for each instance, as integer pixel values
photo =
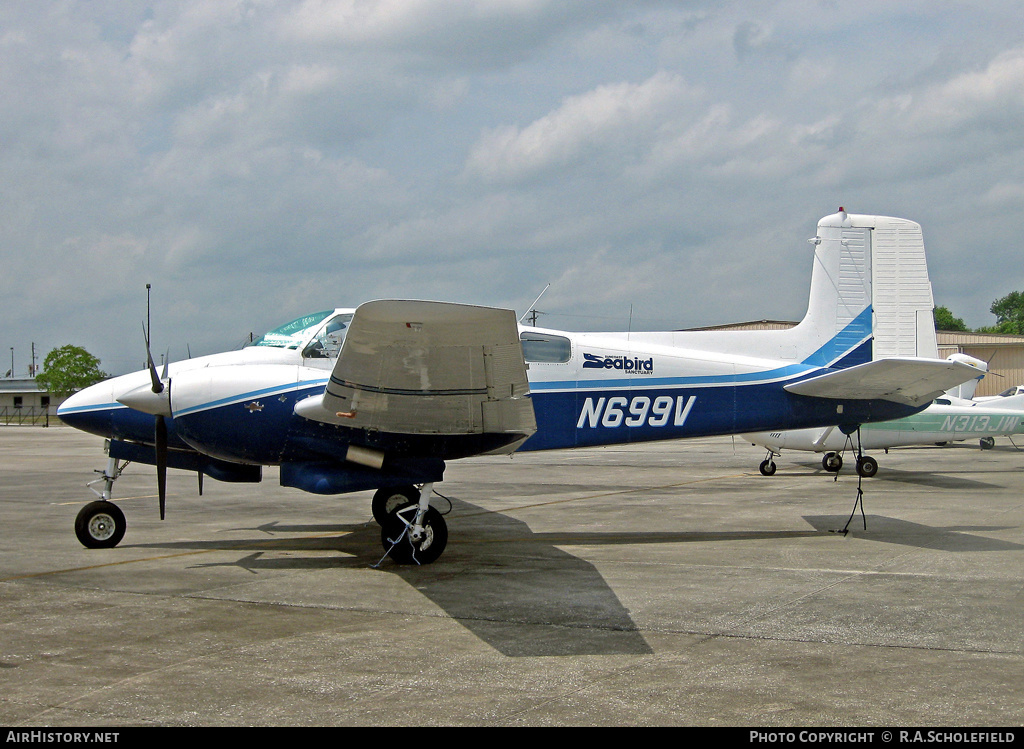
(23, 403)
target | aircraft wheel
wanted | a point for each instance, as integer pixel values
(387, 501)
(767, 467)
(867, 466)
(394, 535)
(832, 462)
(100, 525)
(987, 443)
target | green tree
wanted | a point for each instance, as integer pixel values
(944, 320)
(68, 369)
(1009, 312)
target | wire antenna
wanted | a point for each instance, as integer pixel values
(532, 311)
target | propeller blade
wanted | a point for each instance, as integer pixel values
(158, 386)
(161, 462)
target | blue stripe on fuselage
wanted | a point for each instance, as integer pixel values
(260, 393)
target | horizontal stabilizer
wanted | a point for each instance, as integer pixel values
(910, 381)
(429, 368)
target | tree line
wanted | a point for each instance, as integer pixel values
(1009, 312)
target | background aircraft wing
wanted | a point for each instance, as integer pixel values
(911, 381)
(429, 368)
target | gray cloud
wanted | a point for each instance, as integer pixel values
(665, 161)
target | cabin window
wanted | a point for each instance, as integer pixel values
(545, 347)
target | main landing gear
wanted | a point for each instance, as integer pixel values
(101, 524)
(411, 531)
(866, 465)
(831, 461)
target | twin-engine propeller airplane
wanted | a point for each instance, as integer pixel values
(381, 396)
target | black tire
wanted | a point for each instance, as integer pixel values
(987, 443)
(832, 462)
(867, 466)
(403, 550)
(100, 525)
(387, 501)
(767, 467)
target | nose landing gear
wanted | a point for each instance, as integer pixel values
(101, 524)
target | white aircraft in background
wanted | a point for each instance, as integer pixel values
(948, 419)
(379, 397)
(1010, 391)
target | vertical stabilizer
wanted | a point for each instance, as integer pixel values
(870, 292)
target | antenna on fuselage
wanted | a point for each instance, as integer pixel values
(532, 311)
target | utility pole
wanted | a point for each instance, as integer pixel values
(533, 309)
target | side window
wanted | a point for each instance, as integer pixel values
(327, 343)
(545, 347)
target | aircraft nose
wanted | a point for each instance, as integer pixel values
(89, 409)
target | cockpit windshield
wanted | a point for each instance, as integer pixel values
(327, 343)
(293, 334)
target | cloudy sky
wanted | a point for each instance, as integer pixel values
(255, 160)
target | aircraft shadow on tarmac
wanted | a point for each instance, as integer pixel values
(518, 590)
(931, 478)
(522, 597)
(905, 533)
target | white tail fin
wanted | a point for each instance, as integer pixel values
(870, 297)
(870, 293)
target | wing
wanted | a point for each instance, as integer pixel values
(429, 368)
(911, 381)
